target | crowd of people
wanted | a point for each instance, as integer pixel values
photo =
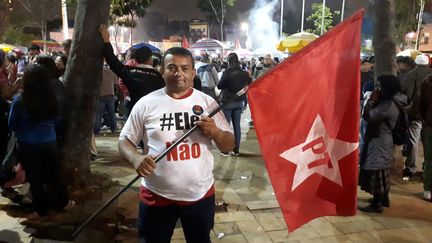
(158, 97)
(386, 105)
(155, 97)
(32, 98)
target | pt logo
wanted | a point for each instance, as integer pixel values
(318, 147)
(318, 154)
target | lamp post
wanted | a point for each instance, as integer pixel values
(245, 27)
(281, 19)
(303, 12)
(343, 10)
(323, 16)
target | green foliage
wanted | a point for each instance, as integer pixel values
(121, 8)
(406, 12)
(15, 35)
(125, 8)
(316, 18)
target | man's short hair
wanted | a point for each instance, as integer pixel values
(205, 59)
(67, 43)
(34, 47)
(364, 61)
(143, 54)
(179, 51)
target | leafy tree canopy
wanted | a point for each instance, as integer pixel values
(316, 18)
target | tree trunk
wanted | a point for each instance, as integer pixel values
(83, 76)
(384, 46)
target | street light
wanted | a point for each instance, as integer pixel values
(244, 26)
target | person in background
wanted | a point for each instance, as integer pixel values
(208, 76)
(411, 87)
(33, 51)
(33, 117)
(21, 61)
(106, 101)
(61, 62)
(404, 66)
(381, 112)
(66, 46)
(425, 109)
(232, 81)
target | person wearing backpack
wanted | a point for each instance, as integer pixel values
(209, 77)
(381, 112)
(411, 87)
(425, 108)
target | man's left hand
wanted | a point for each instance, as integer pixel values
(208, 127)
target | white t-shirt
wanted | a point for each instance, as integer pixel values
(186, 173)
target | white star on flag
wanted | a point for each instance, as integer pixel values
(318, 154)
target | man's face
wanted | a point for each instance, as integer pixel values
(268, 60)
(34, 52)
(365, 67)
(178, 73)
(59, 63)
(403, 67)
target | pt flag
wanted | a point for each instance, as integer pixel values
(306, 115)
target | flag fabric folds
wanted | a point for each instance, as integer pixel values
(306, 115)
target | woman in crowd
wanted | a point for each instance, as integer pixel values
(232, 81)
(33, 116)
(381, 112)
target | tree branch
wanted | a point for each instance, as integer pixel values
(216, 14)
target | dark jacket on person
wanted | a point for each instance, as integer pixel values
(139, 81)
(232, 81)
(381, 118)
(411, 87)
(425, 103)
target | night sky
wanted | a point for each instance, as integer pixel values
(187, 10)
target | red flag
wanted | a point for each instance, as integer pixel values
(185, 43)
(306, 115)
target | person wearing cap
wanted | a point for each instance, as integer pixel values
(21, 61)
(411, 87)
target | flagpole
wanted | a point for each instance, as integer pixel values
(322, 19)
(281, 19)
(158, 158)
(343, 10)
(303, 12)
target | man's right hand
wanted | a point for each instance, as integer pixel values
(144, 165)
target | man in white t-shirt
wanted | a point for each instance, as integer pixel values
(180, 185)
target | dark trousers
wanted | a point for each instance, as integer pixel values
(156, 224)
(42, 168)
(106, 106)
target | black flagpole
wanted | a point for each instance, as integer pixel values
(159, 157)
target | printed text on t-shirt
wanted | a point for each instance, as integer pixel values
(184, 152)
(178, 120)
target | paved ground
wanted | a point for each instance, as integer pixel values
(248, 211)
